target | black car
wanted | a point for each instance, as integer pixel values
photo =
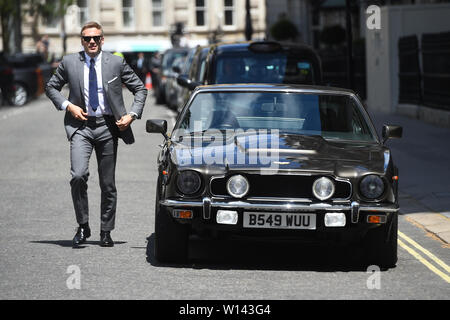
(253, 62)
(31, 74)
(166, 71)
(276, 161)
(174, 92)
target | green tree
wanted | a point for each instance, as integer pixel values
(7, 11)
(283, 29)
(48, 9)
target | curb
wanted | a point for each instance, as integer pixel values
(435, 223)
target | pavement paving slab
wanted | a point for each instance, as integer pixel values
(435, 223)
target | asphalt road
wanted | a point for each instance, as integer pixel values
(37, 224)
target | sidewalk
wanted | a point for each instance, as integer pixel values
(423, 158)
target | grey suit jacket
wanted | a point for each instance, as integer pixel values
(115, 72)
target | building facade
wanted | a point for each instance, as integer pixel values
(147, 25)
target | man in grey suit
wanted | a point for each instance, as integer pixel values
(95, 117)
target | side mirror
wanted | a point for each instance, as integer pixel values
(391, 132)
(184, 81)
(157, 126)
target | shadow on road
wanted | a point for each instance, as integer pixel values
(258, 255)
(68, 243)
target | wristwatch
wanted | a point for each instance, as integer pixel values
(133, 115)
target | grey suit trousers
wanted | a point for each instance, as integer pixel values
(99, 134)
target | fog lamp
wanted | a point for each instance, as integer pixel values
(227, 217)
(323, 188)
(335, 219)
(238, 186)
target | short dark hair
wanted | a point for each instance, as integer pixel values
(91, 24)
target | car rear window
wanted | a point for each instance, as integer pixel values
(170, 57)
(258, 67)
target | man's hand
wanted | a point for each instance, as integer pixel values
(77, 112)
(124, 122)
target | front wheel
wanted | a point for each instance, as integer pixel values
(381, 244)
(19, 96)
(171, 238)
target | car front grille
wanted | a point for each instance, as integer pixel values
(281, 186)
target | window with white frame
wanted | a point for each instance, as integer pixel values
(128, 13)
(200, 13)
(228, 6)
(157, 13)
(83, 14)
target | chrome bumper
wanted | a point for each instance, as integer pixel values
(207, 204)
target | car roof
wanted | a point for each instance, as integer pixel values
(244, 45)
(272, 87)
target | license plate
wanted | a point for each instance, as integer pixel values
(280, 220)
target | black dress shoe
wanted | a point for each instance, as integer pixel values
(80, 237)
(105, 239)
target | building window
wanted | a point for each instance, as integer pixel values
(128, 13)
(157, 13)
(200, 13)
(229, 12)
(83, 14)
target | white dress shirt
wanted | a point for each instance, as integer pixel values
(103, 108)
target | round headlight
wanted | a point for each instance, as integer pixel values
(189, 182)
(372, 187)
(323, 188)
(238, 186)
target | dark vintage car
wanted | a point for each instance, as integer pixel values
(276, 161)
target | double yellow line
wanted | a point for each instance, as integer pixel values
(444, 275)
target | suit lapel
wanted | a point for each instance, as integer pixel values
(80, 70)
(105, 61)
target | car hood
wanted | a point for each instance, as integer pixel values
(289, 152)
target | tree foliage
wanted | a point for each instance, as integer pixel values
(36, 9)
(284, 29)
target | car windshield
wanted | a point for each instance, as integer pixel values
(251, 67)
(332, 116)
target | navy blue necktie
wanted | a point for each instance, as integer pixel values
(93, 89)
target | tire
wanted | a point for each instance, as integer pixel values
(19, 96)
(171, 238)
(381, 244)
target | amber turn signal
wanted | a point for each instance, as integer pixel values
(376, 219)
(182, 214)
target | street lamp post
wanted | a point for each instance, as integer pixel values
(248, 21)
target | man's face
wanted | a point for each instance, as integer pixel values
(92, 45)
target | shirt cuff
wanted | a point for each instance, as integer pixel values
(133, 114)
(65, 104)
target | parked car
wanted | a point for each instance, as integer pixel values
(31, 74)
(253, 62)
(167, 60)
(6, 79)
(174, 92)
(271, 161)
(193, 75)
